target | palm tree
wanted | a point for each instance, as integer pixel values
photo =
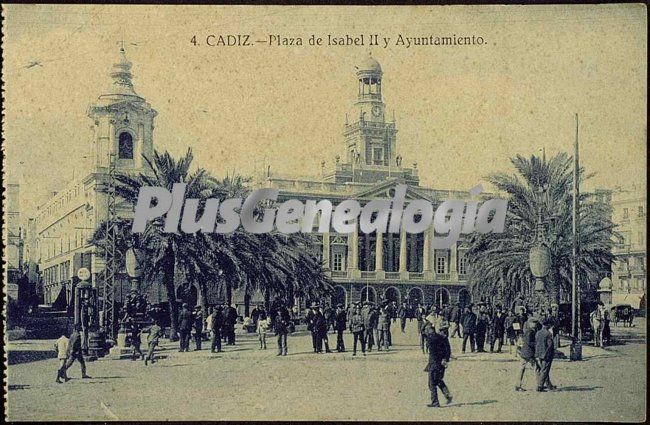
(169, 250)
(499, 262)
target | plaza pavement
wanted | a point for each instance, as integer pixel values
(244, 382)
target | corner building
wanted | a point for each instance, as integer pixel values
(121, 132)
(390, 266)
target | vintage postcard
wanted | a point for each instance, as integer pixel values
(337, 213)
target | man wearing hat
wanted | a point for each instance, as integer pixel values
(185, 321)
(316, 341)
(544, 352)
(469, 328)
(439, 354)
(357, 329)
(526, 350)
(340, 322)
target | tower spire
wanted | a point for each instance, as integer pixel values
(121, 75)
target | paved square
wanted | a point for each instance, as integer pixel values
(247, 383)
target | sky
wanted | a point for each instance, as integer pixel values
(461, 111)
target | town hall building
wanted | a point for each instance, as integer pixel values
(372, 267)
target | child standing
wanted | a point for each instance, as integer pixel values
(61, 347)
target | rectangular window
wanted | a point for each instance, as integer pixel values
(337, 261)
(441, 265)
(641, 213)
(462, 266)
(378, 156)
(626, 213)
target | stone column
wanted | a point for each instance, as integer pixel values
(426, 266)
(379, 252)
(453, 255)
(326, 251)
(353, 252)
(402, 253)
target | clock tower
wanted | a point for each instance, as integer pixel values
(370, 140)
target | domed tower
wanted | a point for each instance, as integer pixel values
(370, 140)
(122, 122)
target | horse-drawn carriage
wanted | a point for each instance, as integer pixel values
(622, 313)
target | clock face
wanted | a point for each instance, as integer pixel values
(376, 110)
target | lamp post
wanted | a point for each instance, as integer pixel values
(539, 257)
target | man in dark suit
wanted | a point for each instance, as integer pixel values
(469, 328)
(340, 324)
(185, 321)
(280, 322)
(498, 329)
(439, 353)
(229, 323)
(198, 327)
(311, 326)
(544, 352)
(217, 325)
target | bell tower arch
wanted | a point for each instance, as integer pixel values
(122, 122)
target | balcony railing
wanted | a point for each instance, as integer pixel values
(416, 276)
(393, 275)
(443, 276)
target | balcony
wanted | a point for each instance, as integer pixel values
(416, 276)
(393, 275)
(443, 276)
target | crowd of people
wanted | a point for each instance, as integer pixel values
(534, 337)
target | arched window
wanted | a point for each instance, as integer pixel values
(125, 146)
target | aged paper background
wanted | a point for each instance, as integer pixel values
(461, 113)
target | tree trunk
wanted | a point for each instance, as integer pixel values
(203, 300)
(228, 293)
(168, 277)
(247, 304)
(267, 299)
(171, 299)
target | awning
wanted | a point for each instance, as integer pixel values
(632, 299)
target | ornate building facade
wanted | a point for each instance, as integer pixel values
(629, 273)
(121, 131)
(396, 267)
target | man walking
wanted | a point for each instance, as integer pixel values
(439, 354)
(469, 328)
(185, 321)
(356, 327)
(155, 333)
(231, 313)
(544, 352)
(340, 323)
(61, 347)
(74, 353)
(527, 352)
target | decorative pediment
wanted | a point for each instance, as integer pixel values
(386, 190)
